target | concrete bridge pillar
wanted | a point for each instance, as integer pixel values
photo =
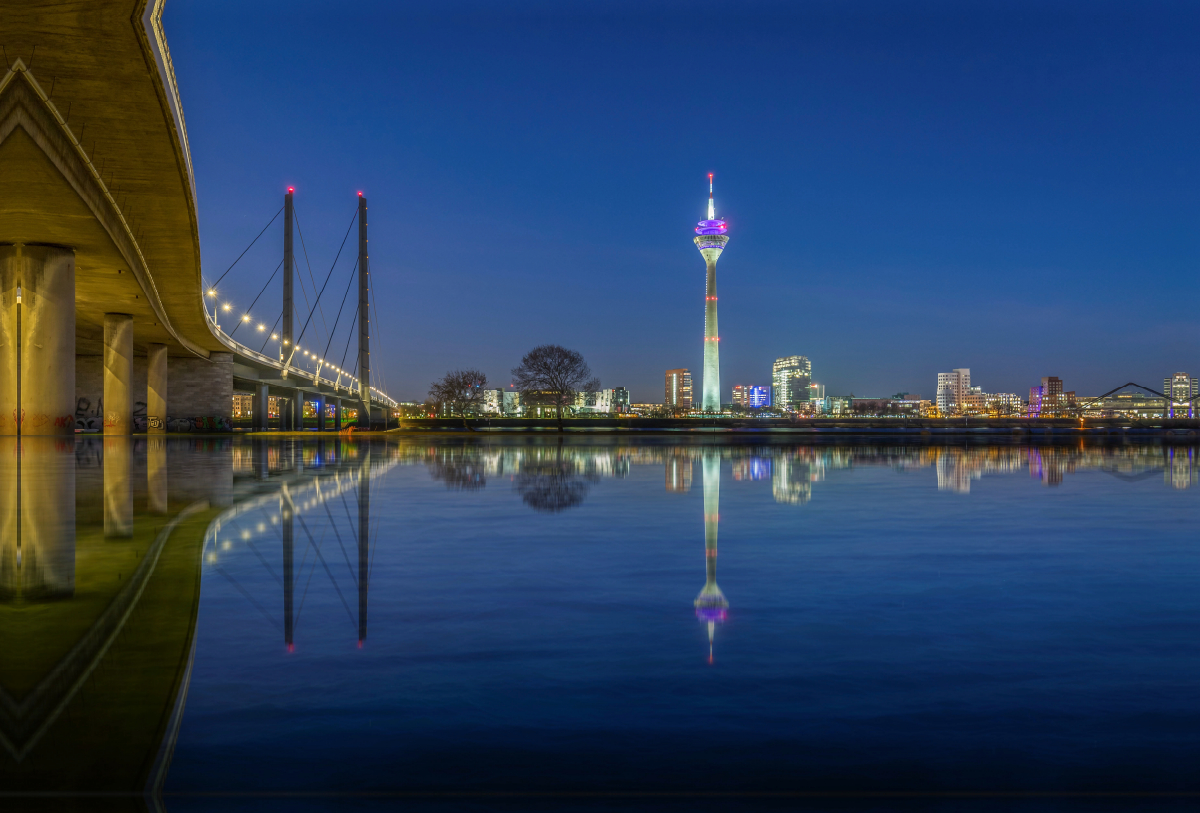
(37, 340)
(320, 399)
(118, 374)
(337, 414)
(118, 490)
(298, 411)
(259, 410)
(156, 389)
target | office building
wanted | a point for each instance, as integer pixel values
(501, 402)
(791, 377)
(751, 396)
(614, 400)
(952, 390)
(1180, 389)
(679, 389)
(711, 240)
(1048, 399)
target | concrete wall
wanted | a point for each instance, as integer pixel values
(196, 388)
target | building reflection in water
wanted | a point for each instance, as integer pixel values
(711, 605)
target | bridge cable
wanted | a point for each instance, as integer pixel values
(255, 302)
(350, 336)
(340, 308)
(243, 254)
(323, 287)
(304, 248)
(382, 379)
(272, 333)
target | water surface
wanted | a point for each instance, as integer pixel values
(604, 615)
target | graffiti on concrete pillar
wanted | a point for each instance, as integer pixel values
(87, 417)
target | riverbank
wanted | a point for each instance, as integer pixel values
(1182, 429)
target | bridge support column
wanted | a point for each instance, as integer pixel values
(156, 389)
(337, 414)
(298, 411)
(37, 340)
(118, 491)
(259, 409)
(118, 374)
(320, 399)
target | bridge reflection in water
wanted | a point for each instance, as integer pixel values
(101, 548)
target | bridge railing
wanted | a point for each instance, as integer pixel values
(315, 377)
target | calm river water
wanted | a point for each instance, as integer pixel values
(530, 615)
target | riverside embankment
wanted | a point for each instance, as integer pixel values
(1176, 429)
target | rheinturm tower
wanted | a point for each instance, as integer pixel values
(711, 240)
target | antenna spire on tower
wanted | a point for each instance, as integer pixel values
(712, 211)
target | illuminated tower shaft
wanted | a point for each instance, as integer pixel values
(711, 240)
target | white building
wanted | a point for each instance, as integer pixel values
(501, 402)
(952, 390)
(602, 401)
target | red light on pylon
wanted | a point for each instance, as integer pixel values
(291, 189)
(360, 194)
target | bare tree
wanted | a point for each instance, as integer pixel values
(459, 392)
(554, 373)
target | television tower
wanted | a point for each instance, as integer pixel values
(711, 240)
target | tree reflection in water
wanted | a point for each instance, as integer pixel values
(459, 469)
(555, 482)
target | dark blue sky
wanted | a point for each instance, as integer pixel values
(910, 187)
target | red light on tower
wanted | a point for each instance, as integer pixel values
(291, 189)
(360, 194)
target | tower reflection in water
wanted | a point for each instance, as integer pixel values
(711, 605)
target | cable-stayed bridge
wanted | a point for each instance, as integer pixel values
(103, 317)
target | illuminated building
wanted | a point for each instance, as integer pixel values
(1180, 389)
(952, 390)
(678, 389)
(501, 402)
(791, 377)
(753, 397)
(711, 240)
(602, 401)
(711, 604)
(1048, 400)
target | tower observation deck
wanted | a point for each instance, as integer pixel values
(711, 239)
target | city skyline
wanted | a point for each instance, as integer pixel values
(995, 176)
